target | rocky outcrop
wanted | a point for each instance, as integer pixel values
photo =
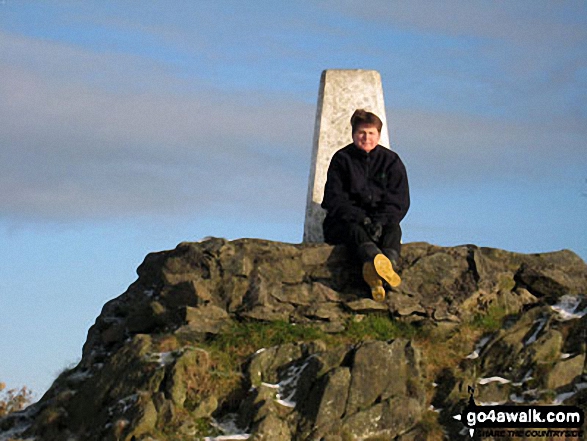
(373, 389)
(265, 340)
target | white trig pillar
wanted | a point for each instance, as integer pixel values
(341, 93)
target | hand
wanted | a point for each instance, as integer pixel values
(373, 229)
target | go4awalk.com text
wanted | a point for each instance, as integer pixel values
(524, 416)
(523, 421)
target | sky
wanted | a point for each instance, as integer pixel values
(128, 127)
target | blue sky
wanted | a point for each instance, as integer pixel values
(128, 127)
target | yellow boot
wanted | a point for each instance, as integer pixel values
(374, 281)
(384, 268)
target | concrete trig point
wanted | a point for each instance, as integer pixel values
(341, 93)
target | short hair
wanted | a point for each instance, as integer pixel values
(362, 117)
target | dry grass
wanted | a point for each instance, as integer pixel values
(431, 427)
(14, 400)
(446, 348)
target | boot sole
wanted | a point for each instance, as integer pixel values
(384, 269)
(374, 281)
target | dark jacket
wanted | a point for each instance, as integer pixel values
(361, 184)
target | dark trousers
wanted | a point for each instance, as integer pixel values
(361, 244)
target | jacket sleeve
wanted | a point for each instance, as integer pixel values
(396, 201)
(337, 201)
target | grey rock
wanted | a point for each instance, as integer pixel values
(149, 369)
(565, 372)
(366, 305)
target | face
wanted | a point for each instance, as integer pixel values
(366, 137)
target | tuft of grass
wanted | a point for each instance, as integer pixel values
(202, 427)
(243, 339)
(445, 348)
(442, 347)
(377, 327)
(490, 321)
(230, 349)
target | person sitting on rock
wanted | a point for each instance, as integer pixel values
(365, 197)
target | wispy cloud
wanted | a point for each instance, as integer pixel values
(459, 150)
(72, 148)
(529, 22)
(108, 127)
(518, 59)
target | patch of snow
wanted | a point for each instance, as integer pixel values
(23, 420)
(567, 306)
(526, 378)
(228, 426)
(228, 437)
(15, 432)
(123, 405)
(80, 376)
(532, 392)
(541, 323)
(491, 403)
(289, 385)
(561, 398)
(493, 380)
(270, 386)
(161, 358)
(286, 403)
(258, 351)
(478, 348)
(565, 356)
(518, 399)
